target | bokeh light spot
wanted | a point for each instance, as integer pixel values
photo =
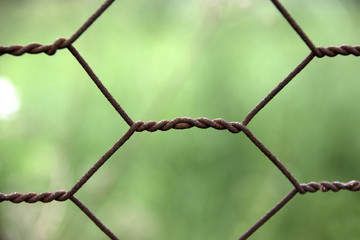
(9, 102)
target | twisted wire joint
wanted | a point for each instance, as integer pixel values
(185, 123)
(34, 48)
(32, 197)
(331, 186)
(333, 51)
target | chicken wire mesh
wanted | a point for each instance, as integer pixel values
(181, 123)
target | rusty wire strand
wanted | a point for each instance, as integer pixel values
(278, 88)
(100, 85)
(97, 222)
(101, 161)
(296, 27)
(180, 123)
(268, 215)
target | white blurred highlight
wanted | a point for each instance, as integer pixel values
(9, 102)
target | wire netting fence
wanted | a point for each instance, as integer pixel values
(181, 123)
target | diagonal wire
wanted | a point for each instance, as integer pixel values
(269, 215)
(93, 218)
(101, 161)
(296, 27)
(100, 85)
(278, 88)
(88, 22)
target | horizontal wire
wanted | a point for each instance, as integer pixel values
(62, 195)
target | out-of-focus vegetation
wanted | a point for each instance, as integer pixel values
(165, 59)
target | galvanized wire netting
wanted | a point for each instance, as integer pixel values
(181, 123)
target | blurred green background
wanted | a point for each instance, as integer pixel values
(165, 59)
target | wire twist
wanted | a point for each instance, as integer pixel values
(35, 48)
(344, 50)
(33, 197)
(185, 123)
(331, 186)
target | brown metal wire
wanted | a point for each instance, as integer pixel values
(180, 123)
